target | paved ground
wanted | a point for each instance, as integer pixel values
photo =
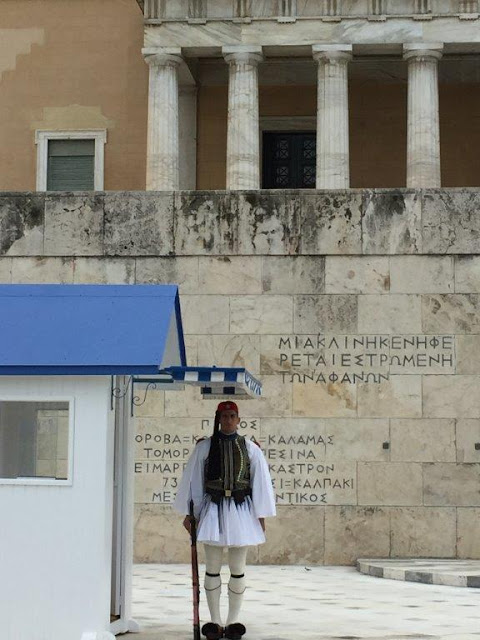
(311, 603)
(456, 573)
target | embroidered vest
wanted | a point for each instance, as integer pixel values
(227, 469)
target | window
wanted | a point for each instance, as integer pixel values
(70, 160)
(35, 438)
(71, 165)
(289, 160)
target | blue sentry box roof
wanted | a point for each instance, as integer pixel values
(89, 329)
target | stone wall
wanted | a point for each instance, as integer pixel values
(359, 312)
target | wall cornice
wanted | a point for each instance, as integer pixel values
(289, 11)
(207, 38)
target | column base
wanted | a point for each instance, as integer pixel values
(124, 626)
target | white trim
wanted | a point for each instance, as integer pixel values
(41, 140)
(71, 434)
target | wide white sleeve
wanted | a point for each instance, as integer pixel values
(263, 498)
(191, 486)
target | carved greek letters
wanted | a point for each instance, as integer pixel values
(355, 358)
(299, 464)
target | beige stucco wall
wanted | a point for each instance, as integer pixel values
(460, 134)
(71, 65)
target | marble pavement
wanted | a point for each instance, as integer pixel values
(456, 573)
(303, 602)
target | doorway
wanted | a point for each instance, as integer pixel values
(289, 159)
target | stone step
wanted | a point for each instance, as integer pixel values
(455, 573)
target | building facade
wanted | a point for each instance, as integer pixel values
(307, 172)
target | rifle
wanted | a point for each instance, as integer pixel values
(195, 578)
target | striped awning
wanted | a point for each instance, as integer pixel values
(214, 382)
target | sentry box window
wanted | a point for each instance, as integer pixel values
(35, 441)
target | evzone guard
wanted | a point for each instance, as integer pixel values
(228, 481)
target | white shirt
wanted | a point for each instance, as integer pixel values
(227, 524)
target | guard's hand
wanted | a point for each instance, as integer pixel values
(187, 524)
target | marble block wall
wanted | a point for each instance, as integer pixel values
(359, 311)
(51, 450)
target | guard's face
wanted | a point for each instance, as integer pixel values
(229, 421)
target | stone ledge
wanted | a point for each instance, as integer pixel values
(455, 573)
(243, 223)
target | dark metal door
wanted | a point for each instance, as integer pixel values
(289, 160)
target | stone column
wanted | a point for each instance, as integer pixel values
(188, 137)
(243, 144)
(333, 162)
(468, 7)
(423, 130)
(162, 141)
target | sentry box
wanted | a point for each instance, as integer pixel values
(71, 360)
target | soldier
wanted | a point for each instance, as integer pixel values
(228, 480)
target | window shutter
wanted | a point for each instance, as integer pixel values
(71, 165)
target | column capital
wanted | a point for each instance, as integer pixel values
(248, 54)
(162, 56)
(422, 50)
(332, 52)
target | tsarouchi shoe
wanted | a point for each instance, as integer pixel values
(235, 631)
(212, 631)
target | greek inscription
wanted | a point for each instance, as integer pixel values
(295, 497)
(298, 463)
(165, 497)
(348, 359)
(245, 425)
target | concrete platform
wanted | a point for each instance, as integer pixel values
(456, 573)
(310, 603)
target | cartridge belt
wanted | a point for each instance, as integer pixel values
(238, 495)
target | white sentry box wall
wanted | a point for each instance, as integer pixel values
(56, 540)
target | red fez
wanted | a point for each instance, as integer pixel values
(227, 406)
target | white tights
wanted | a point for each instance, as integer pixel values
(237, 557)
